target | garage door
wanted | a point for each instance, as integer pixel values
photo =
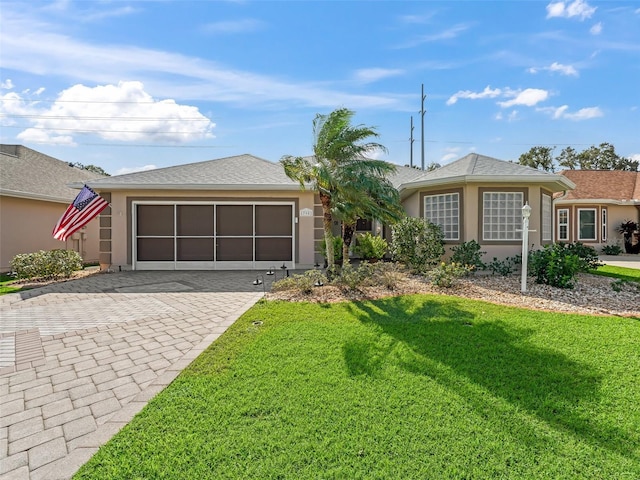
(191, 236)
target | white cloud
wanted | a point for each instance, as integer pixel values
(635, 156)
(6, 84)
(568, 70)
(448, 157)
(528, 97)
(577, 8)
(447, 34)
(596, 29)
(233, 26)
(123, 112)
(125, 170)
(369, 75)
(32, 46)
(486, 93)
(563, 113)
(585, 114)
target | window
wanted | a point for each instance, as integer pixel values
(603, 214)
(563, 224)
(546, 217)
(587, 224)
(444, 210)
(502, 215)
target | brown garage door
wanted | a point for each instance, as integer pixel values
(205, 236)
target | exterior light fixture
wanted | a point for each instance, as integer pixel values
(526, 213)
(260, 281)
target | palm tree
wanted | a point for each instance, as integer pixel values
(367, 197)
(340, 151)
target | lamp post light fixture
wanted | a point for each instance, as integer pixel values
(260, 281)
(526, 213)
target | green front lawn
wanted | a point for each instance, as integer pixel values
(622, 273)
(5, 284)
(410, 387)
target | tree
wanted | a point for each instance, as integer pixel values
(601, 157)
(365, 196)
(568, 158)
(539, 158)
(340, 151)
(91, 168)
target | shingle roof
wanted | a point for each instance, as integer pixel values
(27, 173)
(480, 168)
(612, 185)
(237, 172)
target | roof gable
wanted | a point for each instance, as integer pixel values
(241, 172)
(27, 173)
(480, 168)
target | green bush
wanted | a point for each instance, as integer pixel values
(304, 282)
(555, 265)
(611, 250)
(46, 264)
(468, 254)
(417, 243)
(447, 274)
(370, 247)
(337, 249)
(587, 255)
(504, 267)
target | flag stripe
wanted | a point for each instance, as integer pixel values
(86, 206)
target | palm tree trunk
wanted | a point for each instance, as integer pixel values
(348, 230)
(327, 222)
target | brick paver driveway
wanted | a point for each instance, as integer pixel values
(79, 359)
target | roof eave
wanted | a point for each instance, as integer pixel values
(591, 201)
(227, 187)
(34, 196)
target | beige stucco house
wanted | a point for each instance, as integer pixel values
(593, 211)
(243, 212)
(34, 193)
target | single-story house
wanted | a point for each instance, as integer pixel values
(34, 193)
(593, 211)
(243, 212)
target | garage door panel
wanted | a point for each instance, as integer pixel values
(277, 249)
(273, 220)
(155, 249)
(234, 249)
(155, 220)
(234, 220)
(195, 249)
(194, 220)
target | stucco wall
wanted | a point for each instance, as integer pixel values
(26, 226)
(121, 214)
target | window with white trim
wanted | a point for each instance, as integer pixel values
(563, 224)
(603, 223)
(502, 215)
(444, 210)
(547, 221)
(587, 224)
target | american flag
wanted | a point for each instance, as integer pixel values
(86, 206)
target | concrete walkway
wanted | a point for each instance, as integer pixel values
(79, 359)
(623, 260)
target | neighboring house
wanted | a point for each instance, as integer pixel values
(33, 196)
(244, 212)
(592, 212)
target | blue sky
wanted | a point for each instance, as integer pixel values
(135, 85)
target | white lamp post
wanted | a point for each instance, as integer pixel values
(526, 213)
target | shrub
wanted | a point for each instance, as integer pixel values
(337, 249)
(611, 250)
(46, 264)
(447, 274)
(587, 255)
(504, 267)
(468, 254)
(417, 243)
(304, 282)
(555, 265)
(370, 247)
